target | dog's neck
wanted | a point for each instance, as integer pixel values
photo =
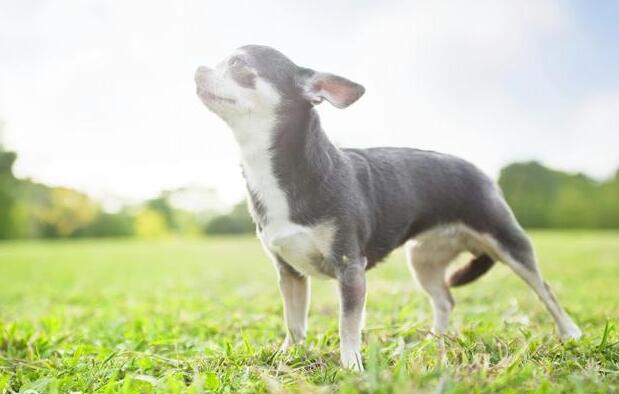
(284, 155)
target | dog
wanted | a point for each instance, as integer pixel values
(326, 212)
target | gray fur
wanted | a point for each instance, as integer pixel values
(379, 197)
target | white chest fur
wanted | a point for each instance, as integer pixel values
(302, 247)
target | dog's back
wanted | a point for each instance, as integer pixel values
(409, 191)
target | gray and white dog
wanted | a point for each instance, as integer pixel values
(335, 213)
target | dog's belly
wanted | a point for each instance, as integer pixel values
(305, 248)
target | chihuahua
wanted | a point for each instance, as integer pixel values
(334, 213)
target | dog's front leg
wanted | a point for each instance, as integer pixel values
(351, 280)
(295, 292)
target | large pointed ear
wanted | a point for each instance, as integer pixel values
(339, 91)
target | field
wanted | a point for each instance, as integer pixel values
(204, 315)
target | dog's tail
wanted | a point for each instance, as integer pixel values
(471, 271)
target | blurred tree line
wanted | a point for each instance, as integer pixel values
(546, 198)
(540, 197)
(33, 210)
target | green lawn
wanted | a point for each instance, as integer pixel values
(205, 315)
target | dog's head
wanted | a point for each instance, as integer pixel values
(258, 79)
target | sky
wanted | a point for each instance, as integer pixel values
(99, 95)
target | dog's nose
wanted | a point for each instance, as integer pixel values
(201, 73)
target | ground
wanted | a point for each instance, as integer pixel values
(204, 315)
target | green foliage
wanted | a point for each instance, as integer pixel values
(33, 210)
(32, 196)
(204, 315)
(119, 224)
(236, 222)
(545, 198)
(8, 196)
(529, 189)
(606, 206)
(162, 206)
(64, 212)
(44, 212)
(150, 223)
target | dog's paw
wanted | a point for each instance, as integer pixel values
(289, 342)
(352, 360)
(286, 345)
(572, 333)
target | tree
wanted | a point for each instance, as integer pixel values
(119, 224)
(65, 212)
(530, 189)
(607, 207)
(162, 205)
(542, 197)
(574, 204)
(8, 197)
(236, 222)
(150, 223)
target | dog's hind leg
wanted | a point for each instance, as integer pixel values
(514, 249)
(295, 290)
(428, 262)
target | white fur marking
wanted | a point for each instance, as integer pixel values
(303, 247)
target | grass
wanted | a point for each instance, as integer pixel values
(204, 315)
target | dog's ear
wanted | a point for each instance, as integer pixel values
(339, 91)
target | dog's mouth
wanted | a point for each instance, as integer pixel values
(214, 97)
(220, 98)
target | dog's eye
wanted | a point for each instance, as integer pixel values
(236, 62)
